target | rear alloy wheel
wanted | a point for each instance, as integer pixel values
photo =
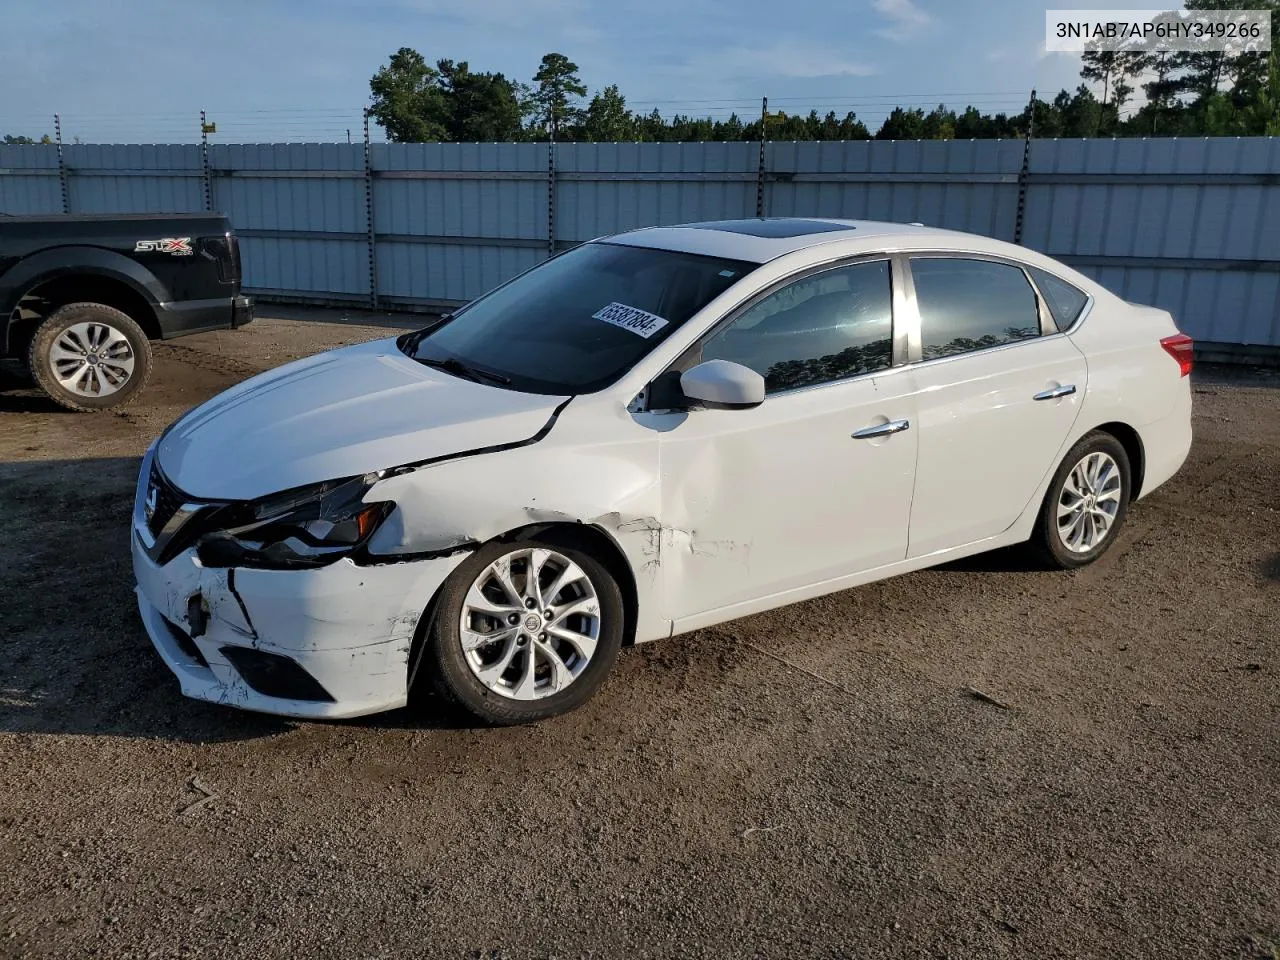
(524, 631)
(89, 357)
(1086, 503)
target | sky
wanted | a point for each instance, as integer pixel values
(271, 70)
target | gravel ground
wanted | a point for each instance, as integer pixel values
(712, 800)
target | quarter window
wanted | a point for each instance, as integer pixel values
(971, 305)
(1065, 301)
(821, 328)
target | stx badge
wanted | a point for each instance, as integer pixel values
(177, 246)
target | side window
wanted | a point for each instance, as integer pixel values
(822, 328)
(971, 305)
(1065, 301)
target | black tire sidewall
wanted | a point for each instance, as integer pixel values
(56, 323)
(451, 675)
(1055, 550)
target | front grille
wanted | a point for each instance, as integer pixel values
(163, 498)
(175, 520)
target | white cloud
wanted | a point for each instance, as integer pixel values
(582, 33)
(792, 60)
(506, 13)
(905, 18)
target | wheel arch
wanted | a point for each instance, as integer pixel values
(54, 278)
(1131, 440)
(595, 541)
(587, 537)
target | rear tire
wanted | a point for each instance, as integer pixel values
(89, 357)
(535, 666)
(1086, 503)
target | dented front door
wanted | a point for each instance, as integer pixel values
(758, 502)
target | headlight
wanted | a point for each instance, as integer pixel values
(304, 527)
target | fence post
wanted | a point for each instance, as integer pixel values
(551, 197)
(764, 116)
(1026, 165)
(62, 165)
(206, 182)
(371, 237)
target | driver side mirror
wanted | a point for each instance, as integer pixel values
(723, 384)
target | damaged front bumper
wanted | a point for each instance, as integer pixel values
(329, 642)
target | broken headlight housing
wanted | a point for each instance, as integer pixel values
(304, 527)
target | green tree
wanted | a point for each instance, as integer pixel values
(480, 106)
(731, 129)
(408, 101)
(1047, 118)
(902, 124)
(1265, 110)
(651, 127)
(1081, 114)
(1102, 66)
(939, 124)
(851, 128)
(557, 94)
(973, 124)
(1207, 92)
(686, 129)
(9, 138)
(1161, 90)
(607, 118)
(1205, 70)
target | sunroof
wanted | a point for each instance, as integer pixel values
(774, 228)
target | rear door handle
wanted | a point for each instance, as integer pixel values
(881, 430)
(1063, 391)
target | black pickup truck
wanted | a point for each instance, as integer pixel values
(81, 297)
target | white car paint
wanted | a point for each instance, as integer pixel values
(338, 413)
(984, 442)
(716, 513)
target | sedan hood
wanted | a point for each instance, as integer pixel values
(339, 414)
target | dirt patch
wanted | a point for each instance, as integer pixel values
(716, 797)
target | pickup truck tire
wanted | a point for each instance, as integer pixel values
(89, 357)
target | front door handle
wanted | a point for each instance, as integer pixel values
(1063, 391)
(881, 430)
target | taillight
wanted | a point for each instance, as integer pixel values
(234, 243)
(225, 252)
(1179, 346)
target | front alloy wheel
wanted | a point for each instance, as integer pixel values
(530, 624)
(524, 630)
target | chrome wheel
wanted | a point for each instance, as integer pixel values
(1089, 501)
(91, 359)
(530, 623)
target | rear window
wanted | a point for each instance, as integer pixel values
(1065, 301)
(970, 305)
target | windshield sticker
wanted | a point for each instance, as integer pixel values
(640, 322)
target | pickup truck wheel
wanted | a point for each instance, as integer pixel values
(89, 357)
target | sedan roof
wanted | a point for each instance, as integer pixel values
(761, 239)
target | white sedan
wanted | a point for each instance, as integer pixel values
(649, 434)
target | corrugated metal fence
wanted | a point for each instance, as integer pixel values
(1189, 225)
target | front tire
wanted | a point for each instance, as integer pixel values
(89, 357)
(523, 631)
(1086, 503)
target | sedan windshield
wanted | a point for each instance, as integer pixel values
(578, 322)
